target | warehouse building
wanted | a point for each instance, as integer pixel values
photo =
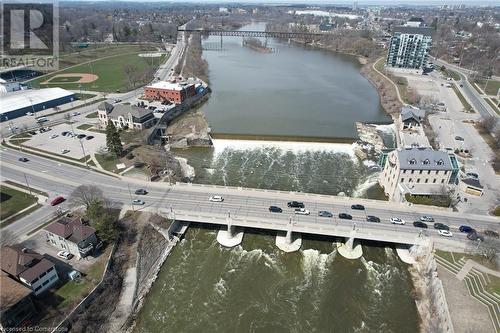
(172, 92)
(17, 103)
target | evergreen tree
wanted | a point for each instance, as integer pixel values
(113, 141)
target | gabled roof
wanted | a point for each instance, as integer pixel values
(412, 113)
(16, 259)
(105, 106)
(423, 158)
(73, 230)
(11, 292)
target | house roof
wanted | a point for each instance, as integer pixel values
(11, 292)
(412, 113)
(124, 110)
(31, 273)
(73, 230)
(16, 259)
(423, 158)
(414, 30)
(105, 106)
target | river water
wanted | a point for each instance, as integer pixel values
(204, 287)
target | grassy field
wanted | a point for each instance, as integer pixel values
(493, 106)
(91, 115)
(108, 162)
(451, 73)
(112, 77)
(64, 79)
(84, 127)
(461, 97)
(13, 201)
(491, 88)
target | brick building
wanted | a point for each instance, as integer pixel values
(173, 92)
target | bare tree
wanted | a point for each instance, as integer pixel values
(489, 248)
(488, 123)
(85, 195)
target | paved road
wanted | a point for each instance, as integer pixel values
(60, 179)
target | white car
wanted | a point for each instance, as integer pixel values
(216, 198)
(138, 202)
(64, 151)
(445, 233)
(302, 211)
(53, 136)
(397, 220)
(64, 255)
(74, 114)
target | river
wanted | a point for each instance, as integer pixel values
(254, 287)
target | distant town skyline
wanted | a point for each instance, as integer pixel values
(322, 2)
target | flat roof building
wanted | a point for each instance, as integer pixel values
(173, 92)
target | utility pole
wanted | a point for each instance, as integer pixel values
(84, 155)
(27, 184)
(131, 201)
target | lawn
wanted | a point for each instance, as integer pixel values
(111, 73)
(461, 97)
(108, 162)
(83, 97)
(451, 73)
(491, 87)
(84, 127)
(65, 79)
(91, 115)
(493, 106)
(13, 201)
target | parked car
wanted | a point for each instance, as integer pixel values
(64, 133)
(358, 207)
(295, 204)
(420, 224)
(64, 255)
(216, 198)
(302, 211)
(397, 220)
(65, 151)
(141, 191)
(466, 229)
(74, 114)
(81, 136)
(138, 202)
(324, 213)
(345, 216)
(118, 100)
(445, 233)
(475, 236)
(23, 159)
(275, 209)
(57, 200)
(371, 218)
(472, 175)
(459, 138)
(426, 218)
(441, 226)
(89, 137)
(53, 136)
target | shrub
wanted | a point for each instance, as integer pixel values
(431, 200)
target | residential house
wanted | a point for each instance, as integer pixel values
(28, 267)
(411, 118)
(125, 116)
(72, 235)
(16, 306)
(420, 171)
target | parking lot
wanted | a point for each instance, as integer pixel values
(53, 141)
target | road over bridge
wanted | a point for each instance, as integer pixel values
(246, 207)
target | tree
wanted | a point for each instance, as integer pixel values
(86, 195)
(488, 123)
(489, 248)
(113, 141)
(103, 220)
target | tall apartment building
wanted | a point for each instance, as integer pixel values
(409, 47)
(420, 171)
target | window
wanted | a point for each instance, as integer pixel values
(420, 172)
(42, 275)
(426, 181)
(402, 180)
(440, 162)
(34, 281)
(38, 288)
(446, 172)
(412, 171)
(428, 172)
(45, 283)
(413, 161)
(409, 180)
(50, 269)
(418, 180)
(442, 181)
(434, 181)
(437, 172)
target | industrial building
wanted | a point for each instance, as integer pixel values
(409, 47)
(17, 103)
(172, 92)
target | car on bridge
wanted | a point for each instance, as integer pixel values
(324, 213)
(275, 209)
(302, 211)
(466, 229)
(427, 218)
(216, 198)
(358, 207)
(420, 224)
(372, 218)
(295, 204)
(345, 216)
(445, 233)
(441, 226)
(57, 200)
(397, 220)
(138, 202)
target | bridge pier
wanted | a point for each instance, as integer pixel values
(349, 250)
(229, 237)
(287, 243)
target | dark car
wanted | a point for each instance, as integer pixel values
(23, 159)
(472, 175)
(345, 216)
(466, 229)
(141, 191)
(459, 138)
(275, 209)
(358, 207)
(90, 137)
(475, 236)
(324, 213)
(371, 218)
(64, 133)
(441, 226)
(420, 224)
(295, 204)
(81, 136)
(32, 132)
(491, 233)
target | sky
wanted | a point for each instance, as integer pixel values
(325, 2)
